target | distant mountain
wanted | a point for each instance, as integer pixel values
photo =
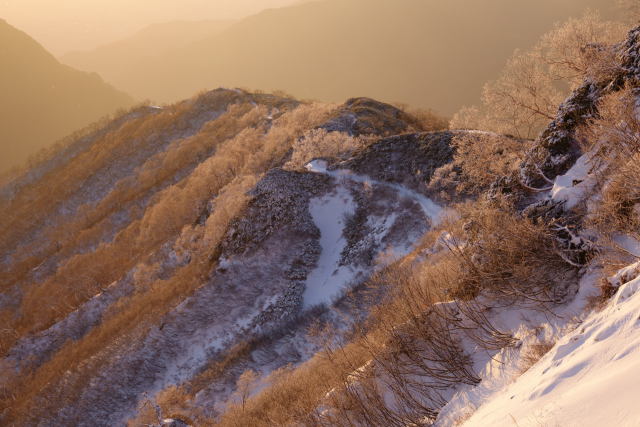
(116, 60)
(425, 53)
(42, 100)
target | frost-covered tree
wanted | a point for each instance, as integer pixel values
(526, 94)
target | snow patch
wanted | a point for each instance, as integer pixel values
(329, 278)
(432, 210)
(573, 186)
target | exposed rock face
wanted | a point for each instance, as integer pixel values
(557, 147)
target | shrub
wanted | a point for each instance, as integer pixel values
(534, 352)
(318, 143)
(510, 258)
(480, 158)
(615, 141)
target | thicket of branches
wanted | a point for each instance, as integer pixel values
(400, 366)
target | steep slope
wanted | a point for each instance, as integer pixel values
(519, 280)
(42, 100)
(584, 375)
(587, 379)
(141, 48)
(411, 51)
(174, 240)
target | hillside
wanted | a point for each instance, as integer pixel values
(411, 51)
(249, 259)
(43, 100)
(166, 219)
(141, 48)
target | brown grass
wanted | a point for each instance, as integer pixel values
(228, 175)
(534, 353)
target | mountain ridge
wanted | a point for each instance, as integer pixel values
(37, 89)
(398, 59)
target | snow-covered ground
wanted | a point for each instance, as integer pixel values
(429, 207)
(589, 377)
(573, 186)
(329, 278)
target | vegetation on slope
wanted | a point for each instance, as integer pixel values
(142, 206)
(399, 367)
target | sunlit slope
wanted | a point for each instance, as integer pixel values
(42, 100)
(426, 53)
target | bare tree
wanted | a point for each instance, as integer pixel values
(245, 385)
(525, 96)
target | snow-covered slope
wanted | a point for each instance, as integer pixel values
(589, 378)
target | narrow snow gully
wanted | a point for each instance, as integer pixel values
(327, 280)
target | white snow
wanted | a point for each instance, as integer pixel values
(429, 207)
(589, 378)
(628, 243)
(573, 186)
(328, 279)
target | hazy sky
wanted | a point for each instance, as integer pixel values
(67, 25)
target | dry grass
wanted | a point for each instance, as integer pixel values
(615, 137)
(533, 353)
(318, 143)
(227, 176)
(510, 257)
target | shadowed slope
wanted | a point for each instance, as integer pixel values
(42, 100)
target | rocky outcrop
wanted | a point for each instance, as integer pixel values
(280, 200)
(365, 116)
(558, 147)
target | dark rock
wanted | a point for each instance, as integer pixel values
(558, 148)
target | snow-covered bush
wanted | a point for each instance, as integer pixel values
(480, 158)
(318, 143)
